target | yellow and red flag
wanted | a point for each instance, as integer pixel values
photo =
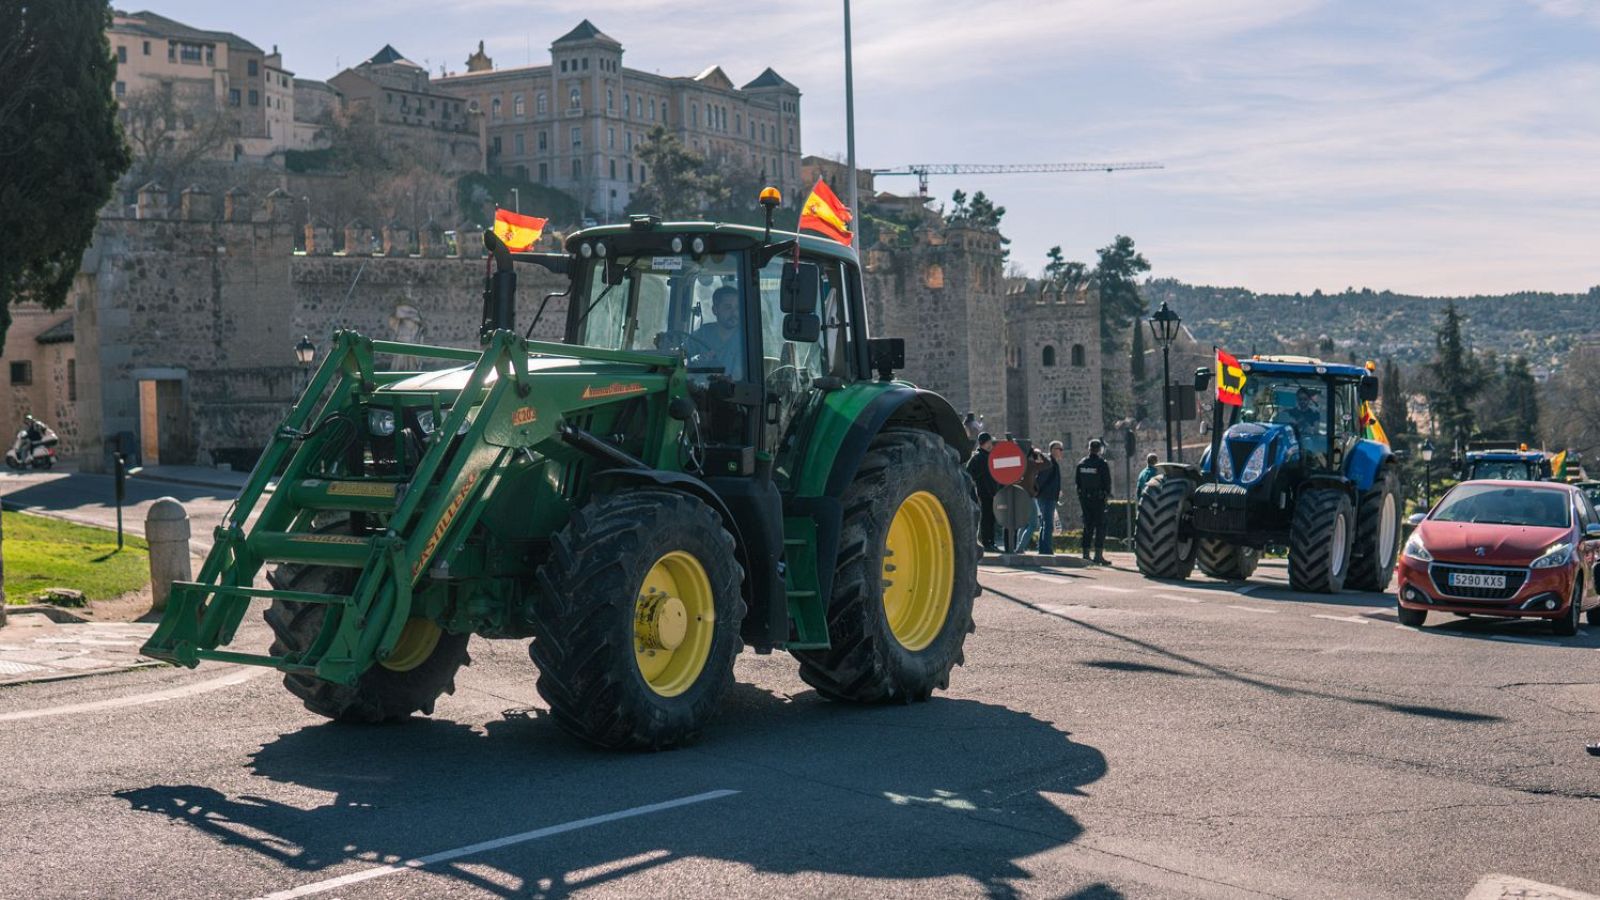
(1372, 427)
(1230, 379)
(1558, 466)
(518, 232)
(824, 214)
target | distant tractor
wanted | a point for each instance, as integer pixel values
(717, 456)
(1291, 467)
(1508, 460)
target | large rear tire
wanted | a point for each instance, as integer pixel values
(905, 579)
(637, 625)
(1231, 562)
(1320, 538)
(1161, 549)
(423, 666)
(1377, 540)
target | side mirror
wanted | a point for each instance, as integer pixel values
(1202, 379)
(1591, 531)
(1369, 388)
(797, 293)
(1415, 519)
(803, 328)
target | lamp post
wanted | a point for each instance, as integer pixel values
(516, 201)
(1427, 474)
(305, 353)
(1164, 330)
(850, 114)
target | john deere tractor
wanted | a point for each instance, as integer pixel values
(717, 456)
(1289, 466)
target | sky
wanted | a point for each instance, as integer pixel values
(1422, 146)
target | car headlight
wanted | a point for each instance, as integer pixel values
(1416, 551)
(1558, 555)
(1254, 465)
(380, 422)
(1224, 463)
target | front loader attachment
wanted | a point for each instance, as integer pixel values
(388, 523)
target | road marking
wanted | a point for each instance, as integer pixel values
(1356, 619)
(1270, 612)
(1517, 640)
(1111, 590)
(485, 846)
(1178, 598)
(1496, 887)
(189, 690)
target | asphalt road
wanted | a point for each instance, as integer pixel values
(91, 500)
(1108, 737)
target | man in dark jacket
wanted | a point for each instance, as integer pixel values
(1048, 486)
(1094, 489)
(978, 468)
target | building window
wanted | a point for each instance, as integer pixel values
(495, 146)
(630, 173)
(544, 141)
(611, 139)
(577, 137)
(627, 138)
(189, 54)
(122, 89)
(611, 99)
(1078, 355)
(494, 108)
(641, 174)
(211, 56)
(585, 64)
(22, 372)
(627, 105)
(574, 99)
(255, 97)
(1049, 355)
(251, 68)
(518, 108)
(541, 103)
(146, 48)
(72, 381)
(738, 123)
(518, 143)
(544, 173)
(577, 168)
(694, 114)
(563, 65)
(122, 54)
(791, 135)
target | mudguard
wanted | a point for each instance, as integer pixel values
(1363, 462)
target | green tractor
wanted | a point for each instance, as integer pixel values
(717, 456)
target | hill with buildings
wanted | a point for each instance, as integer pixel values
(1369, 324)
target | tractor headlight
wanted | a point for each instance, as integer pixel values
(1557, 555)
(600, 249)
(698, 245)
(425, 421)
(1224, 464)
(1416, 550)
(380, 422)
(677, 245)
(585, 250)
(1255, 464)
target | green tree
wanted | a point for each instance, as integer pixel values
(61, 149)
(1115, 279)
(1054, 266)
(681, 183)
(1508, 406)
(1394, 409)
(1457, 380)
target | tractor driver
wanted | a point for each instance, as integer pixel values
(721, 343)
(1305, 415)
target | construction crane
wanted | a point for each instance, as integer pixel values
(923, 170)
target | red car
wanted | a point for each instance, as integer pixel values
(1516, 549)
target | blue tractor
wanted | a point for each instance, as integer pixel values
(1504, 459)
(1290, 466)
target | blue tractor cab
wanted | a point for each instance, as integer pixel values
(1291, 465)
(1510, 461)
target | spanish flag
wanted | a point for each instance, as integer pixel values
(1230, 379)
(824, 214)
(516, 231)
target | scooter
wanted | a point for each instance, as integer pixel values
(28, 454)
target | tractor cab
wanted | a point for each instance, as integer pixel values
(1295, 415)
(1509, 461)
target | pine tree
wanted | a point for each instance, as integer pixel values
(1457, 381)
(1115, 279)
(61, 149)
(1394, 409)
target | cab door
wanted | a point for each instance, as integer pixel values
(792, 364)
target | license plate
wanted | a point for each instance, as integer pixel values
(1474, 580)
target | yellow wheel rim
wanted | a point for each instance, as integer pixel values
(919, 571)
(415, 645)
(673, 620)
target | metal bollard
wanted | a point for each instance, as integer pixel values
(166, 529)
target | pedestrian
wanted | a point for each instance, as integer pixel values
(973, 426)
(1030, 473)
(1048, 486)
(1145, 474)
(978, 468)
(1094, 488)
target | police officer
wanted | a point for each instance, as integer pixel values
(1094, 488)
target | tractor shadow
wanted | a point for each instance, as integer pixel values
(951, 788)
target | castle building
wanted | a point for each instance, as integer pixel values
(577, 122)
(415, 116)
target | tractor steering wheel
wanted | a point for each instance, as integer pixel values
(682, 340)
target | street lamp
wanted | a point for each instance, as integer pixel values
(1164, 329)
(1427, 476)
(305, 352)
(516, 201)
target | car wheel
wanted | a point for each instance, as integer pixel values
(1593, 615)
(1567, 625)
(1411, 618)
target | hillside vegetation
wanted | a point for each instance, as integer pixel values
(1368, 324)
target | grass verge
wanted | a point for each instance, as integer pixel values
(44, 553)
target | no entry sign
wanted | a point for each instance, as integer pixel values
(1006, 463)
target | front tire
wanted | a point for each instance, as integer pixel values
(425, 661)
(637, 625)
(1377, 540)
(1161, 550)
(1411, 618)
(1320, 538)
(1231, 562)
(905, 579)
(1567, 625)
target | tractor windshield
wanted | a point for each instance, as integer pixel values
(1507, 469)
(667, 302)
(1272, 398)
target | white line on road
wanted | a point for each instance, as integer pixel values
(189, 690)
(1178, 598)
(1517, 640)
(1270, 612)
(1356, 619)
(1109, 589)
(485, 846)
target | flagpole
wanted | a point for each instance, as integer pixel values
(850, 115)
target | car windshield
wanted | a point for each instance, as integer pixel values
(1502, 505)
(1504, 469)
